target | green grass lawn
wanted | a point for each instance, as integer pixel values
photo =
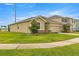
(72, 50)
(9, 37)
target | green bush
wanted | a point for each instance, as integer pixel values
(34, 27)
(66, 28)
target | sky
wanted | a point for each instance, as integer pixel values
(27, 10)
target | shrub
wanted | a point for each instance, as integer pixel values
(34, 27)
(66, 28)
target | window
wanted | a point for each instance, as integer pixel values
(64, 20)
(18, 27)
(38, 24)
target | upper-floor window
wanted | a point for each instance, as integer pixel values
(64, 20)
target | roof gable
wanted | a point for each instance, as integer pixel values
(32, 18)
(55, 16)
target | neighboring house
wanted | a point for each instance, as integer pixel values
(50, 24)
(4, 29)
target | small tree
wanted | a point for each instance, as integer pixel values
(66, 28)
(34, 27)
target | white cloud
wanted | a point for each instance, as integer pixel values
(20, 18)
(57, 12)
(17, 19)
(30, 6)
(8, 3)
(63, 13)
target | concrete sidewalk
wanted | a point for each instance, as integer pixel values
(40, 45)
(70, 34)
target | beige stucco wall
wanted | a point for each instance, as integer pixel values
(55, 27)
(23, 27)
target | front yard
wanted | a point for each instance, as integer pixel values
(9, 37)
(72, 50)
